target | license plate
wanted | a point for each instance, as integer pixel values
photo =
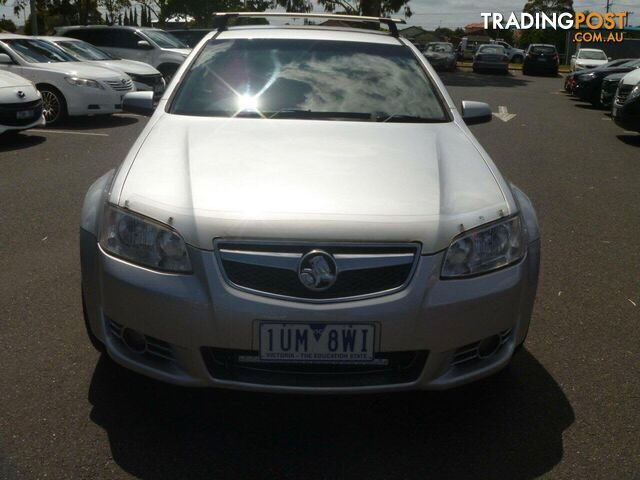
(24, 114)
(542, 59)
(316, 342)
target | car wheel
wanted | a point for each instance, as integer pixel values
(54, 106)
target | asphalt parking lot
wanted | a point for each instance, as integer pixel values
(567, 407)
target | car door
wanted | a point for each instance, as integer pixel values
(125, 45)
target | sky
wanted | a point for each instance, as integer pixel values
(430, 14)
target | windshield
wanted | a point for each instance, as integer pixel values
(633, 63)
(84, 50)
(164, 39)
(543, 50)
(310, 79)
(440, 48)
(491, 49)
(592, 55)
(37, 51)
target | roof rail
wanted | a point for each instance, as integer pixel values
(389, 22)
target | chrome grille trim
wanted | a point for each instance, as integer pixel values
(622, 93)
(470, 351)
(119, 86)
(287, 255)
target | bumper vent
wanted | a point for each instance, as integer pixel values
(471, 351)
(154, 347)
(389, 369)
(9, 113)
(362, 270)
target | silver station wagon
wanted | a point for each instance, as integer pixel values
(307, 211)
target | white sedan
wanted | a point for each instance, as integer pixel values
(68, 87)
(20, 103)
(144, 76)
(588, 58)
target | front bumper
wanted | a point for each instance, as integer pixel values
(498, 66)
(93, 101)
(191, 316)
(627, 115)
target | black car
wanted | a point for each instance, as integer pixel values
(570, 79)
(626, 106)
(540, 58)
(587, 85)
(609, 88)
(190, 36)
(441, 55)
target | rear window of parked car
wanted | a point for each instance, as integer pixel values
(491, 49)
(309, 79)
(543, 49)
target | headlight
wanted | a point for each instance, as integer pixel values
(485, 249)
(143, 241)
(635, 92)
(587, 76)
(83, 82)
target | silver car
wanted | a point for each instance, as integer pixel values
(307, 211)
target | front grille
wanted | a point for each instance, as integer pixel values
(388, 369)
(470, 352)
(623, 93)
(121, 85)
(272, 269)
(9, 112)
(155, 347)
(151, 80)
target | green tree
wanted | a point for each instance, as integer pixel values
(554, 37)
(373, 8)
(7, 25)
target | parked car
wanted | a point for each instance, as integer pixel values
(190, 36)
(516, 55)
(441, 55)
(491, 57)
(541, 58)
(20, 103)
(587, 85)
(144, 76)
(588, 58)
(374, 247)
(156, 47)
(468, 46)
(609, 88)
(626, 106)
(68, 87)
(569, 79)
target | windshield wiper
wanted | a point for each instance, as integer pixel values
(397, 117)
(310, 114)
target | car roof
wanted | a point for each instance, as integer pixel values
(591, 50)
(542, 45)
(66, 28)
(54, 38)
(7, 36)
(315, 32)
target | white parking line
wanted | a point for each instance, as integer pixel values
(71, 133)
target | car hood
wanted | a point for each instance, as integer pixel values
(8, 79)
(181, 51)
(311, 180)
(583, 61)
(128, 66)
(80, 69)
(632, 78)
(438, 55)
(9, 93)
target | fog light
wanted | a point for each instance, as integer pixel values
(489, 346)
(135, 341)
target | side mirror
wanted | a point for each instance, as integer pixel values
(144, 45)
(5, 59)
(140, 103)
(475, 112)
